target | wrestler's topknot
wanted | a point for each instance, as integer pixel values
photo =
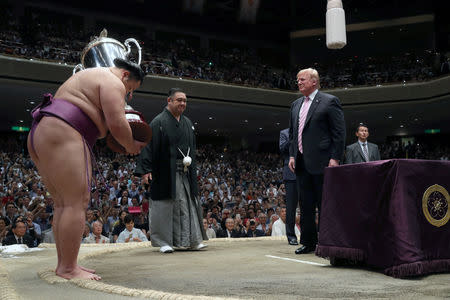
(135, 70)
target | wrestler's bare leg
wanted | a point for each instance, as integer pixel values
(61, 161)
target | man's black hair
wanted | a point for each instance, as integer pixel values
(136, 72)
(14, 225)
(361, 125)
(172, 91)
(128, 219)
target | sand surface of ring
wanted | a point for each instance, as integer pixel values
(260, 268)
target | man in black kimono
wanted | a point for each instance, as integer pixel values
(168, 161)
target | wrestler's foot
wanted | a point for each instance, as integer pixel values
(77, 273)
(87, 269)
(82, 268)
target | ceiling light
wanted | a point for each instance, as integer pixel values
(278, 123)
(246, 121)
(21, 121)
(210, 118)
(31, 102)
(401, 126)
(389, 117)
(260, 128)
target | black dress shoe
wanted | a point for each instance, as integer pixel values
(293, 242)
(305, 249)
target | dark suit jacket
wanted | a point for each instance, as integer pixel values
(323, 134)
(27, 239)
(354, 154)
(222, 233)
(257, 232)
(284, 150)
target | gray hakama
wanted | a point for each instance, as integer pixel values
(176, 222)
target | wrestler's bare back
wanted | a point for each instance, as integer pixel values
(84, 89)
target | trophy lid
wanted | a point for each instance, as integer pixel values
(101, 39)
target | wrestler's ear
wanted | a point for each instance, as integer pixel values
(126, 75)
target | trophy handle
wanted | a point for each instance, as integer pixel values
(127, 43)
(77, 68)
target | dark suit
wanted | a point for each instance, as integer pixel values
(222, 233)
(354, 153)
(323, 138)
(290, 183)
(26, 239)
(256, 233)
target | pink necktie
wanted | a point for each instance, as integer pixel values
(301, 122)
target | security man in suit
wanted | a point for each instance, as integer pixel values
(317, 140)
(19, 235)
(362, 150)
(290, 184)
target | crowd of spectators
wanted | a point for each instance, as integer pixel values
(241, 192)
(415, 150)
(243, 187)
(41, 37)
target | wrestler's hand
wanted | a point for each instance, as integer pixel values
(146, 178)
(292, 164)
(136, 148)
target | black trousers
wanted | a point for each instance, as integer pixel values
(291, 206)
(310, 195)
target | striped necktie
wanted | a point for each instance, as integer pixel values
(365, 152)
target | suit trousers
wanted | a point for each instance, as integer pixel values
(291, 206)
(310, 195)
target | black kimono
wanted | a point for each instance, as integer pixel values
(174, 192)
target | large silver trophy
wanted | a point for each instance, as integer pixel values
(101, 52)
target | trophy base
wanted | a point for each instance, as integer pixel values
(141, 132)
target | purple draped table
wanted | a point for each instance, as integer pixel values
(391, 214)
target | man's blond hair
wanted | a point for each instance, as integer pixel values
(313, 74)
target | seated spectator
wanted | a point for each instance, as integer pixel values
(87, 230)
(33, 229)
(279, 226)
(19, 236)
(119, 226)
(48, 236)
(210, 233)
(42, 220)
(112, 219)
(230, 230)
(262, 224)
(3, 229)
(252, 231)
(10, 213)
(131, 234)
(96, 236)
